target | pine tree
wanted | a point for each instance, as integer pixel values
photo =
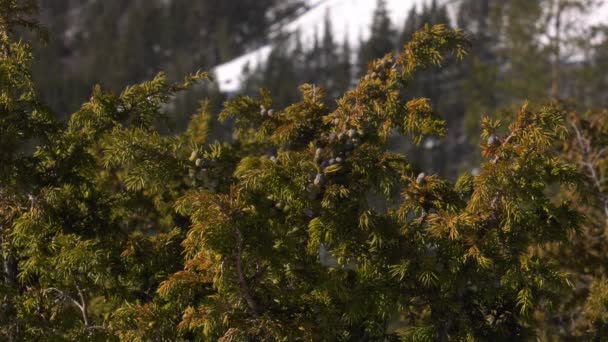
(481, 71)
(280, 74)
(411, 25)
(144, 37)
(291, 64)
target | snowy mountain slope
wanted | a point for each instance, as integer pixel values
(351, 19)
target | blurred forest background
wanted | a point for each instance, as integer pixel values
(522, 49)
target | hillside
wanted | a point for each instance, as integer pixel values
(351, 20)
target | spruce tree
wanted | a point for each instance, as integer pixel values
(599, 62)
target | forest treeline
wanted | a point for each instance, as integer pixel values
(319, 217)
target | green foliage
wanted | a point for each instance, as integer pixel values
(306, 226)
(456, 262)
(584, 258)
(87, 218)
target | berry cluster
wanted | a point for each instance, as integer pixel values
(200, 170)
(266, 112)
(339, 147)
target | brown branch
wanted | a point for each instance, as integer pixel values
(244, 286)
(504, 143)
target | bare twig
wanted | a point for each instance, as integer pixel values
(588, 163)
(80, 303)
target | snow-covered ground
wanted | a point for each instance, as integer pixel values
(351, 19)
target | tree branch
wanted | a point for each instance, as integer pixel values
(244, 286)
(83, 307)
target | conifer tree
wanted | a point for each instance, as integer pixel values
(381, 40)
(280, 74)
(344, 69)
(305, 226)
(509, 65)
(442, 87)
(328, 58)
(86, 215)
(481, 71)
(583, 311)
(454, 261)
(590, 81)
(23, 121)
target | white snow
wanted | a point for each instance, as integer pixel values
(600, 16)
(229, 76)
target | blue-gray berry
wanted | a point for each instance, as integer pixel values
(420, 178)
(492, 140)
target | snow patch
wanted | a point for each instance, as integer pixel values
(229, 76)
